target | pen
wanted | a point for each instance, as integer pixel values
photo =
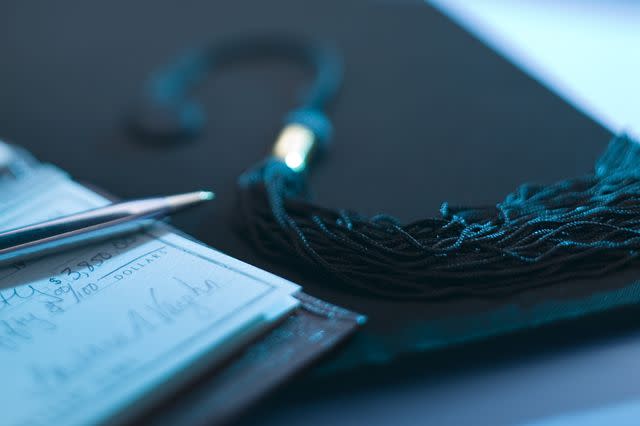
(77, 229)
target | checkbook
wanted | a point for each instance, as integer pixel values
(118, 330)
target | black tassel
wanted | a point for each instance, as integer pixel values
(538, 235)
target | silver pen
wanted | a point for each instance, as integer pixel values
(101, 223)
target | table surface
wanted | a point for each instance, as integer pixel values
(423, 102)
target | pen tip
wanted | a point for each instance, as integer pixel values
(179, 201)
(207, 195)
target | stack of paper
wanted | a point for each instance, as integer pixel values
(100, 333)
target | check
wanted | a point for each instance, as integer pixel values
(97, 333)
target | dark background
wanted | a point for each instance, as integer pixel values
(427, 114)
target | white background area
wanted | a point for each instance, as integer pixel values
(588, 51)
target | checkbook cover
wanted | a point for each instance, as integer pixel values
(303, 337)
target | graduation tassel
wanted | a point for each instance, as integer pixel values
(538, 235)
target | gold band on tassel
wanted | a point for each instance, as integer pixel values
(294, 146)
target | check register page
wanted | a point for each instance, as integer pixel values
(94, 334)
